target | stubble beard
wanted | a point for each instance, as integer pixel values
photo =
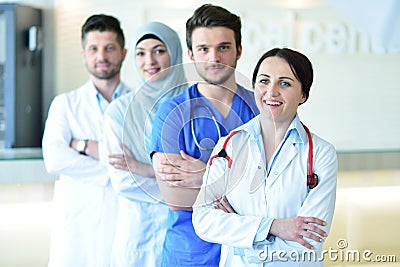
(219, 79)
(105, 75)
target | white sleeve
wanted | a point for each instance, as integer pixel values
(217, 226)
(125, 183)
(59, 157)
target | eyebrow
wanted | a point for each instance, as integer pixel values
(283, 77)
(223, 43)
(154, 47)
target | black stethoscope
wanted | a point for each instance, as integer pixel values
(312, 178)
(192, 126)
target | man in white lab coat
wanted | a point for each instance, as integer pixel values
(85, 206)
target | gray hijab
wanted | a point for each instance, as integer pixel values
(148, 95)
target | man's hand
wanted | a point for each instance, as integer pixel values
(294, 229)
(181, 171)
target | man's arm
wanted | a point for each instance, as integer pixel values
(59, 157)
(179, 178)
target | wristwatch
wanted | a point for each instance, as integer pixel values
(81, 146)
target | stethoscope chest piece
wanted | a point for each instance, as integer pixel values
(312, 180)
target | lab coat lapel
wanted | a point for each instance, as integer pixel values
(286, 155)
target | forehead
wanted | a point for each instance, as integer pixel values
(212, 36)
(275, 66)
(100, 38)
(149, 44)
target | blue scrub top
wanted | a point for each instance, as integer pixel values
(172, 132)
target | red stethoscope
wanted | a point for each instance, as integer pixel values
(312, 178)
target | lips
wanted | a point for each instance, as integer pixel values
(103, 66)
(272, 103)
(152, 71)
(215, 67)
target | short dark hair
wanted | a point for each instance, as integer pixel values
(103, 23)
(299, 64)
(213, 16)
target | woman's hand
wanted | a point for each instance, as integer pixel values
(294, 229)
(223, 204)
(127, 162)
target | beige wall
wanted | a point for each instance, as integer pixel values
(353, 100)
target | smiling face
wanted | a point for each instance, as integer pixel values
(102, 54)
(151, 58)
(278, 92)
(214, 53)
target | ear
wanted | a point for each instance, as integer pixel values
(83, 55)
(124, 51)
(239, 52)
(303, 99)
(190, 54)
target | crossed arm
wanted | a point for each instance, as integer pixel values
(179, 177)
(92, 148)
(127, 162)
(291, 229)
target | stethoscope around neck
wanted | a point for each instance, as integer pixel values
(211, 115)
(312, 178)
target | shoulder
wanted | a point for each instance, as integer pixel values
(119, 105)
(176, 101)
(247, 96)
(243, 133)
(82, 91)
(323, 148)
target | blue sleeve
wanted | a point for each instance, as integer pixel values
(263, 236)
(166, 132)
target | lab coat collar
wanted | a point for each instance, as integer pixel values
(299, 135)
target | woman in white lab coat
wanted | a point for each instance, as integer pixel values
(264, 209)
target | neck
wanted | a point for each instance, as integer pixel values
(106, 87)
(223, 93)
(272, 131)
(220, 96)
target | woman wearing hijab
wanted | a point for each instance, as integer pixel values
(142, 217)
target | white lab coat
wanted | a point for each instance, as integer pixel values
(253, 195)
(85, 205)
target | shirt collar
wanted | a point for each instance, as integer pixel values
(118, 91)
(294, 134)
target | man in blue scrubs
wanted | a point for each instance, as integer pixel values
(188, 126)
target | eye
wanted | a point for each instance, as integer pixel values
(263, 81)
(202, 49)
(92, 49)
(110, 47)
(285, 84)
(160, 51)
(140, 54)
(224, 47)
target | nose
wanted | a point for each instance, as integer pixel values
(214, 56)
(101, 54)
(149, 59)
(270, 90)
